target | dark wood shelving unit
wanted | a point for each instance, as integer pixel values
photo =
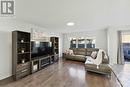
(55, 45)
(23, 65)
(21, 54)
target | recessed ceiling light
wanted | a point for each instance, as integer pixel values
(70, 24)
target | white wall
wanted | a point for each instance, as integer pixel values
(6, 28)
(100, 35)
(5, 54)
(112, 42)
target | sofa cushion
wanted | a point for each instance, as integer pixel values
(81, 51)
(103, 68)
(88, 53)
(79, 56)
(74, 50)
(75, 57)
(90, 50)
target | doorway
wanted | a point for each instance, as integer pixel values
(126, 47)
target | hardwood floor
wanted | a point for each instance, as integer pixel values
(65, 74)
(123, 73)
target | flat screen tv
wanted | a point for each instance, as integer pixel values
(39, 49)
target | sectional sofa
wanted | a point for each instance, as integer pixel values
(81, 54)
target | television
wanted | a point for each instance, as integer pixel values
(39, 49)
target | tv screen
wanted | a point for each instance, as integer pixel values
(39, 49)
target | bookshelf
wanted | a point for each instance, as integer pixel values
(21, 54)
(55, 45)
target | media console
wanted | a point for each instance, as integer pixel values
(23, 62)
(41, 62)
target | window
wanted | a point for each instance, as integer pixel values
(126, 46)
(90, 43)
(73, 43)
(82, 42)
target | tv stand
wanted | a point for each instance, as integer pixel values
(22, 62)
(42, 62)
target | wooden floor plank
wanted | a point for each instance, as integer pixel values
(65, 74)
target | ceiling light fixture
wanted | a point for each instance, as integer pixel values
(70, 24)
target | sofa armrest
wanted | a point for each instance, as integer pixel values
(105, 59)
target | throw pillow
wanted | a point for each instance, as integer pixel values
(71, 52)
(94, 54)
(66, 52)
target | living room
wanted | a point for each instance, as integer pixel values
(102, 22)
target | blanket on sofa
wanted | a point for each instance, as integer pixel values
(98, 59)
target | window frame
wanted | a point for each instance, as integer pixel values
(77, 44)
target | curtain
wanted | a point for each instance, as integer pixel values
(120, 53)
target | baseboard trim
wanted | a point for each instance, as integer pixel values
(6, 80)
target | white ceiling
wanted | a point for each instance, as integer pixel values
(87, 14)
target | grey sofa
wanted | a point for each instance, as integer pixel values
(80, 55)
(103, 68)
